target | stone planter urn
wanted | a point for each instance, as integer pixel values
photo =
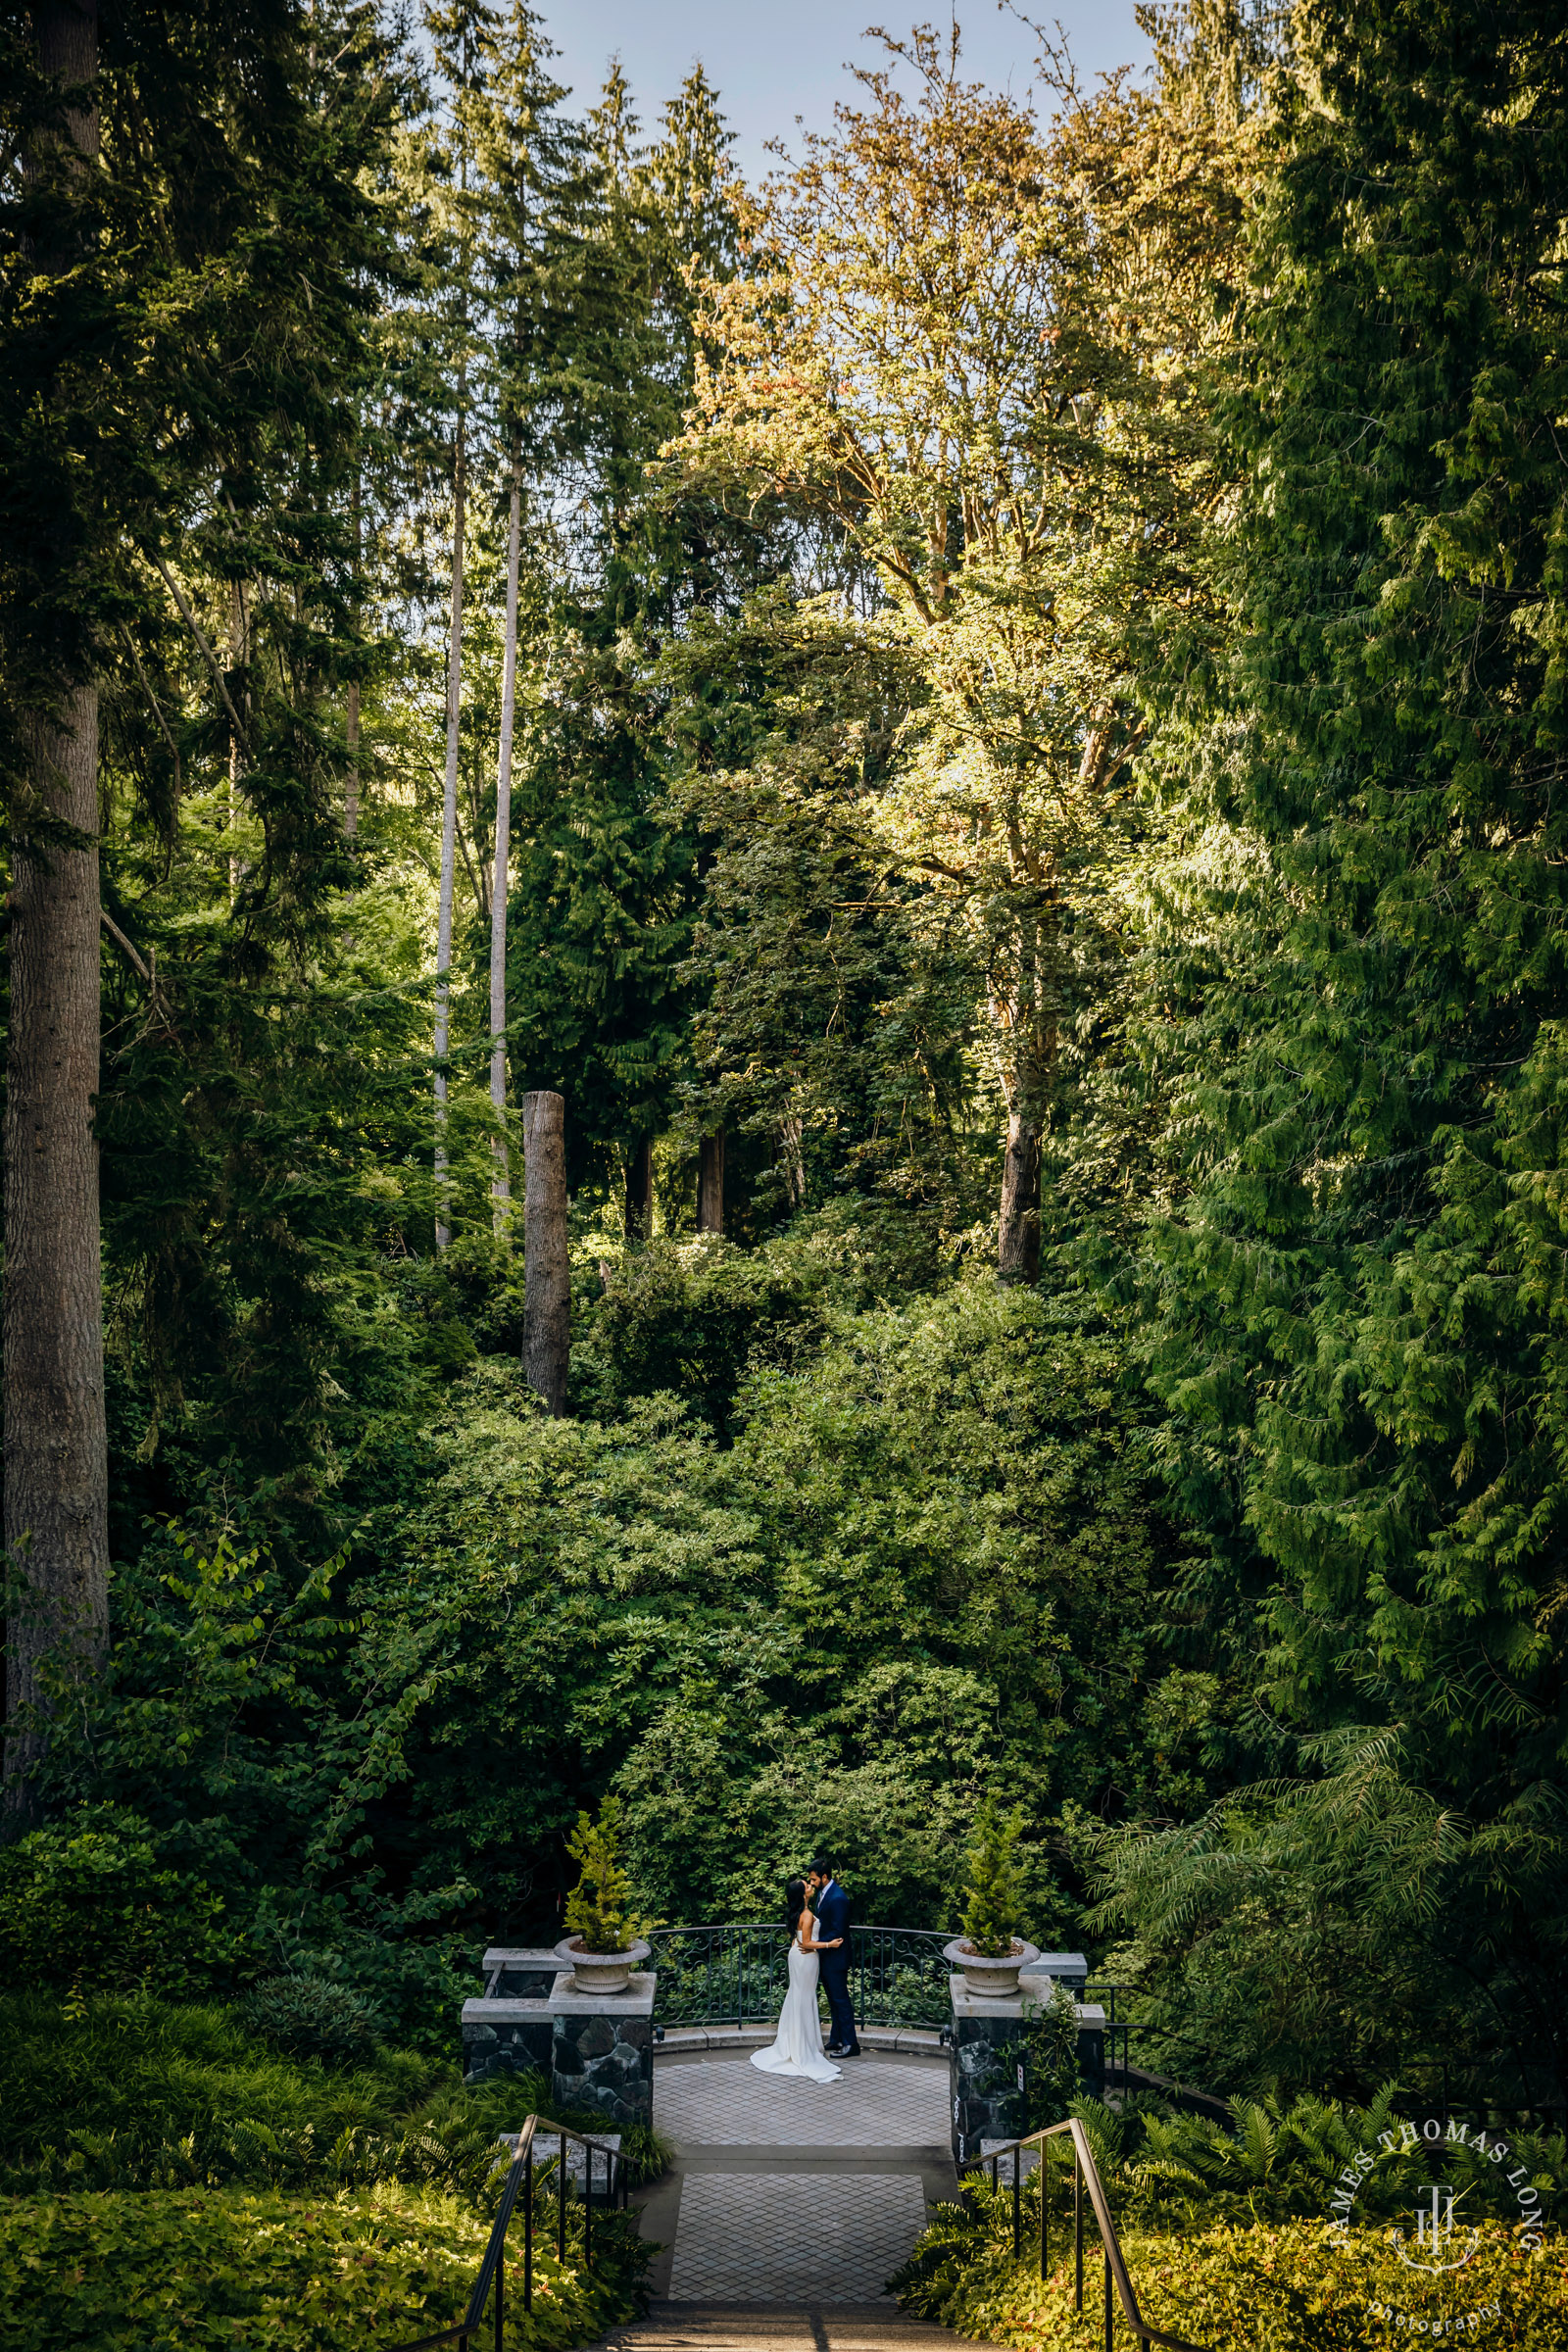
(593, 1973)
(986, 1980)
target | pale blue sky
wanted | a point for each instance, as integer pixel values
(774, 62)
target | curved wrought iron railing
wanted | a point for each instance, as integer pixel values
(520, 2190)
(1085, 2179)
(737, 1974)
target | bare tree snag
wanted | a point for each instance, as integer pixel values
(711, 1184)
(1018, 1220)
(640, 1189)
(56, 1448)
(546, 1271)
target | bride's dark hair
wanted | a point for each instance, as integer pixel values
(794, 1904)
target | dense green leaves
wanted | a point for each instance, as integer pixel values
(1360, 961)
(1232, 1549)
(209, 2268)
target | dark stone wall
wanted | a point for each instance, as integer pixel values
(506, 2047)
(606, 2062)
(987, 2102)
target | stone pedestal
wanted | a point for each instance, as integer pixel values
(509, 2029)
(987, 2092)
(602, 2049)
(596, 2051)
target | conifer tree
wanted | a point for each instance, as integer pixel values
(458, 32)
(200, 446)
(600, 906)
(536, 190)
(1360, 989)
(56, 1459)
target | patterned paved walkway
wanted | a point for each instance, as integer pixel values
(793, 2196)
(718, 2327)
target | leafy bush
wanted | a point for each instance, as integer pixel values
(1297, 2286)
(1047, 2050)
(87, 1901)
(598, 1909)
(993, 1897)
(119, 2090)
(312, 2016)
(1229, 2241)
(196, 2268)
(117, 2094)
(1280, 2163)
(646, 2154)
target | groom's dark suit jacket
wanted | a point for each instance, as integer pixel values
(833, 1919)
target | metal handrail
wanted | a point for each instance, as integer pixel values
(738, 1967)
(1085, 2170)
(493, 2269)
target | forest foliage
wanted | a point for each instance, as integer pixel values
(1038, 714)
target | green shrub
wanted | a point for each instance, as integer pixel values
(598, 1908)
(1229, 2237)
(1047, 2050)
(313, 2017)
(230, 2270)
(993, 1896)
(1298, 2286)
(85, 1902)
(126, 2089)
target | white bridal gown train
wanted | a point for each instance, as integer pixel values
(797, 2049)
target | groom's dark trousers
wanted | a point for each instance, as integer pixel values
(833, 1920)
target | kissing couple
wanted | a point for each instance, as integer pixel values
(816, 1911)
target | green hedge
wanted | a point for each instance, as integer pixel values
(1298, 2286)
(230, 2269)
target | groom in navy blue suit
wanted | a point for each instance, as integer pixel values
(833, 1927)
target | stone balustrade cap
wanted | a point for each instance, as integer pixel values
(510, 2009)
(636, 2002)
(508, 1955)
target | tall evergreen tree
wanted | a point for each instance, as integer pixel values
(216, 346)
(537, 186)
(602, 895)
(56, 1448)
(1361, 988)
(458, 31)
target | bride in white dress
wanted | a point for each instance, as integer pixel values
(797, 2049)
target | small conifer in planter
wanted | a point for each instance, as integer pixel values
(604, 1940)
(990, 1951)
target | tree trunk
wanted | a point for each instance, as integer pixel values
(501, 1183)
(547, 1270)
(449, 838)
(792, 1152)
(239, 655)
(1018, 1223)
(639, 1190)
(711, 1184)
(56, 1448)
